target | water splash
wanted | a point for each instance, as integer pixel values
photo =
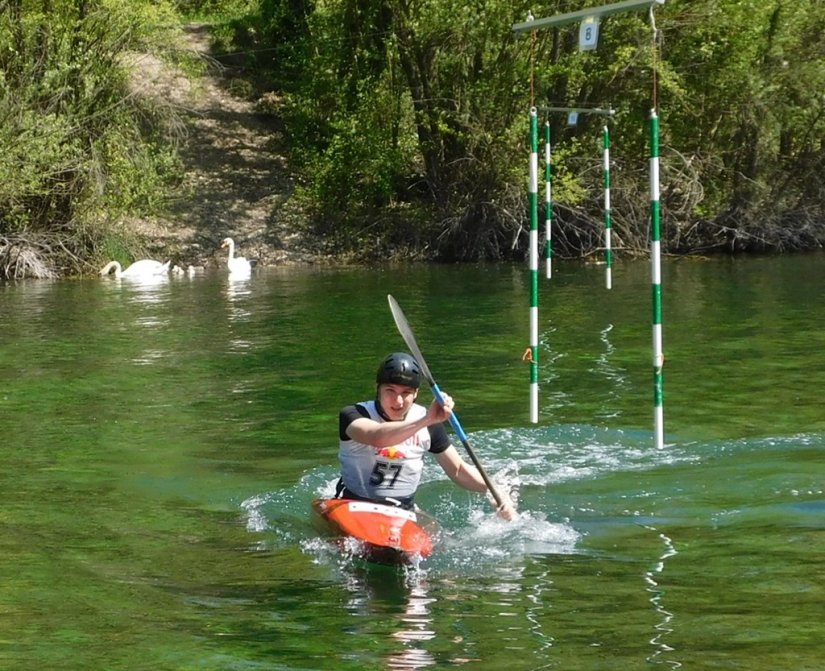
(487, 539)
(554, 454)
(624, 480)
(256, 519)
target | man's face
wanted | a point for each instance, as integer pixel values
(396, 399)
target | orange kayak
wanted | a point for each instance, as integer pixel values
(387, 534)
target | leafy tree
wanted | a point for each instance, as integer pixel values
(78, 149)
(751, 116)
(424, 102)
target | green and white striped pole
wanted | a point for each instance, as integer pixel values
(656, 278)
(548, 200)
(608, 228)
(534, 266)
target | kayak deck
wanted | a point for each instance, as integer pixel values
(387, 534)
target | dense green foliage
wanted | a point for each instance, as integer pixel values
(78, 149)
(408, 120)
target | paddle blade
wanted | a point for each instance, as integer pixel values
(406, 333)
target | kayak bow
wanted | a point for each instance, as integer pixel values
(387, 534)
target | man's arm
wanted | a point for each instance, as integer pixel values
(384, 434)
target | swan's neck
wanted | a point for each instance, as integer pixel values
(109, 266)
(231, 250)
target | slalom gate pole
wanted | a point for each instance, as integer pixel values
(548, 200)
(534, 266)
(608, 227)
(656, 279)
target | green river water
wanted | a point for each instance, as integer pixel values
(160, 446)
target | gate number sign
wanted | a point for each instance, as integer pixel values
(589, 33)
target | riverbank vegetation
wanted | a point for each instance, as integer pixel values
(78, 151)
(407, 123)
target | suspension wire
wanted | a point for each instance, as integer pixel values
(532, 69)
(655, 63)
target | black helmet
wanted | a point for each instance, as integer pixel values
(399, 368)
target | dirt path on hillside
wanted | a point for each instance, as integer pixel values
(236, 179)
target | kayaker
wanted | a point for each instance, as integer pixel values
(383, 442)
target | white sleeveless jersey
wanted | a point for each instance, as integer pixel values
(385, 472)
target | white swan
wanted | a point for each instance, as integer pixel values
(142, 268)
(238, 265)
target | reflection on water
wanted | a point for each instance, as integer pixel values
(238, 286)
(149, 357)
(538, 602)
(401, 596)
(143, 289)
(238, 293)
(611, 377)
(417, 626)
(663, 628)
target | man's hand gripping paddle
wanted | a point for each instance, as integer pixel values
(407, 334)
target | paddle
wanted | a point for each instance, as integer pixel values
(409, 338)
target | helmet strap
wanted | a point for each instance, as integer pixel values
(380, 409)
